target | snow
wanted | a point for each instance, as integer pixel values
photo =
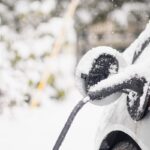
(28, 128)
(124, 75)
(84, 16)
(143, 97)
(132, 96)
(27, 52)
(86, 62)
(24, 55)
(45, 7)
(131, 70)
(124, 15)
(144, 56)
(22, 7)
(119, 16)
(113, 69)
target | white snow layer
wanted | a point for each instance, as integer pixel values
(87, 60)
(142, 98)
(141, 68)
(126, 74)
(38, 129)
(124, 14)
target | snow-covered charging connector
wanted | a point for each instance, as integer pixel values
(102, 74)
(135, 86)
(96, 65)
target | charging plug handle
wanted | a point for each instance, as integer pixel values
(134, 84)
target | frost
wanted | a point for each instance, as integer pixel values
(143, 97)
(132, 96)
(87, 60)
(85, 64)
(25, 47)
(124, 15)
(84, 16)
(47, 6)
(124, 75)
(113, 69)
(22, 7)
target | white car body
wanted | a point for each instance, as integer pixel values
(118, 121)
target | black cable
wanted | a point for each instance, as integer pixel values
(68, 123)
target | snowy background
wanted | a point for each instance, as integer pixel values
(37, 86)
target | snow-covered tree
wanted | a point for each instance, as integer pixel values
(27, 34)
(29, 28)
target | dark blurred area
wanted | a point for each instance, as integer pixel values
(114, 23)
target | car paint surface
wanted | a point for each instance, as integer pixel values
(117, 118)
